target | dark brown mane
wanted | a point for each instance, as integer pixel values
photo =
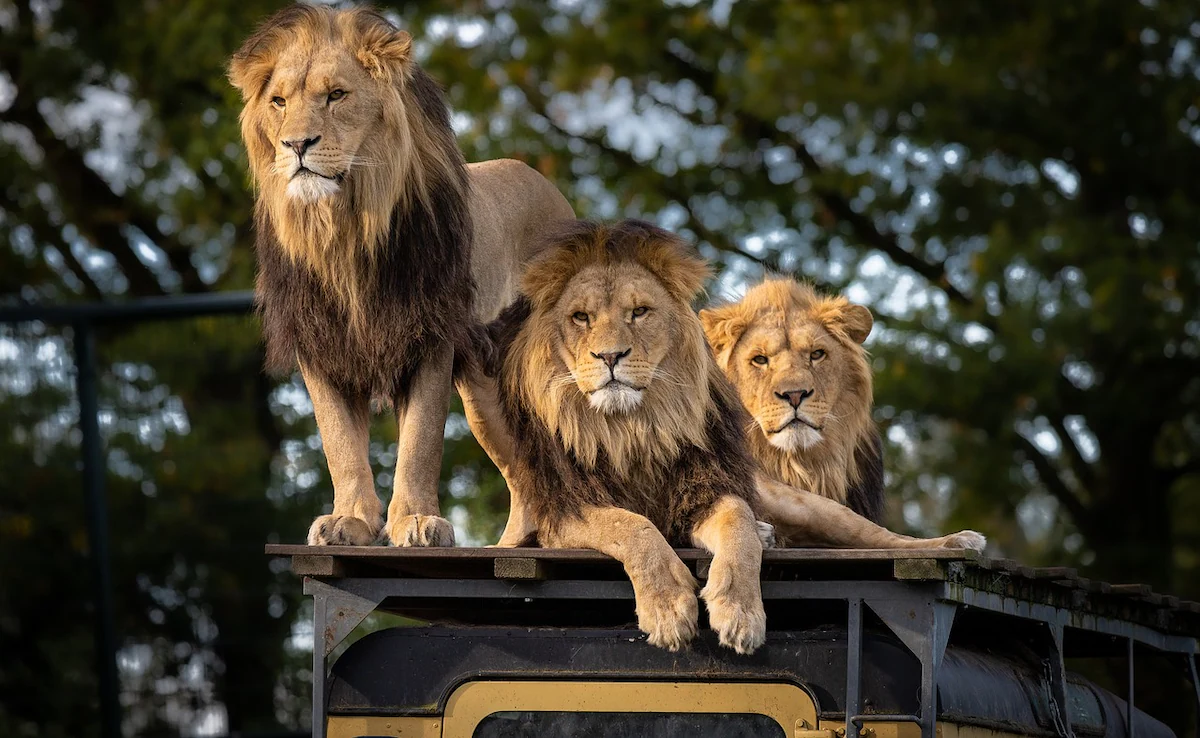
(674, 496)
(417, 291)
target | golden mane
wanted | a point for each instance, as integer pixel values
(674, 412)
(339, 237)
(848, 455)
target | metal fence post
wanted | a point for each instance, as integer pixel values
(96, 507)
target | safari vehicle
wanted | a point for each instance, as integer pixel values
(889, 644)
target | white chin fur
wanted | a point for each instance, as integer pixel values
(615, 399)
(793, 437)
(310, 188)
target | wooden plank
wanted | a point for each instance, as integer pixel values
(524, 568)
(1008, 566)
(1096, 587)
(1131, 590)
(1055, 573)
(922, 570)
(775, 555)
(317, 566)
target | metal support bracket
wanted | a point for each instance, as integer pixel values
(853, 664)
(337, 610)
(1191, 659)
(924, 628)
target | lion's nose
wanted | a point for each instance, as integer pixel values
(301, 145)
(794, 397)
(612, 357)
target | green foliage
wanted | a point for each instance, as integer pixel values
(1009, 186)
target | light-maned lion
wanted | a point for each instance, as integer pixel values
(797, 361)
(380, 252)
(631, 439)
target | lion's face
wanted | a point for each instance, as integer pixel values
(322, 94)
(617, 325)
(611, 357)
(795, 359)
(319, 109)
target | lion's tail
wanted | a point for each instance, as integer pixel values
(489, 344)
(478, 354)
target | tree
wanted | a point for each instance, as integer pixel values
(1008, 187)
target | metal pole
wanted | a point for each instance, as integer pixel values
(853, 664)
(97, 519)
(1129, 701)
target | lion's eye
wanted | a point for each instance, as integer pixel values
(817, 355)
(278, 102)
(336, 95)
(760, 360)
(580, 317)
(640, 311)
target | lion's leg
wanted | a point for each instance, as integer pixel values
(733, 593)
(414, 518)
(481, 404)
(804, 518)
(664, 589)
(344, 426)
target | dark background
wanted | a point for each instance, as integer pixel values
(1010, 186)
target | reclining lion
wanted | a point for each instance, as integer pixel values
(632, 440)
(630, 437)
(379, 253)
(797, 361)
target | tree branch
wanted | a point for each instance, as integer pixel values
(87, 200)
(834, 201)
(667, 186)
(1052, 481)
(44, 231)
(93, 206)
(1083, 470)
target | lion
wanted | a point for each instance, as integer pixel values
(797, 361)
(631, 438)
(381, 253)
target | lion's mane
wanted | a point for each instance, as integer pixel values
(689, 427)
(362, 285)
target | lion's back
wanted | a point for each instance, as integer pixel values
(514, 208)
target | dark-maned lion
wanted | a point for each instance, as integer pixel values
(630, 437)
(379, 252)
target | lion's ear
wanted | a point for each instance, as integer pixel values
(723, 326)
(545, 278)
(384, 50)
(856, 320)
(251, 66)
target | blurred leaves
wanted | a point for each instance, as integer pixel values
(1009, 186)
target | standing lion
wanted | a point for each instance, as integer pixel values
(380, 252)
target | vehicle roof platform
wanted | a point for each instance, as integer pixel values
(915, 597)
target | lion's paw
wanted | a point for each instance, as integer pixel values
(667, 609)
(741, 625)
(422, 531)
(342, 530)
(766, 533)
(967, 539)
